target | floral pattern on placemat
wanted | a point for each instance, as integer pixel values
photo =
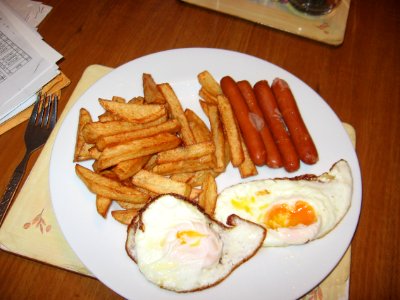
(38, 222)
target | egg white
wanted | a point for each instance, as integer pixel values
(154, 244)
(328, 194)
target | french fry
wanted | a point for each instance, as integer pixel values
(208, 197)
(209, 83)
(118, 99)
(127, 205)
(150, 90)
(171, 126)
(247, 168)
(128, 168)
(81, 147)
(199, 129)
(160, 184)
(194, 194)
(177, 112)
(189, 165)
(135, 113)
(232, 132)
(108, 116)
(124, 216)
(94, 130)
(207, 96)
(186, 152)
(204, 106)
(194, 179)
(108, 188)
(94, 152)
(137, 100)
(102, 205)
(136, 148)
(218, 137)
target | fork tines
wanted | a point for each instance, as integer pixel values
(45, 111)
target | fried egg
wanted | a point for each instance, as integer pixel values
(293, 210)
(178, 247)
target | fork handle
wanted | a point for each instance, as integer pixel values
(12, 187)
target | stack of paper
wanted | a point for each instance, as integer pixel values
(26, 63)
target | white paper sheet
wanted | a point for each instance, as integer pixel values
(26, 63)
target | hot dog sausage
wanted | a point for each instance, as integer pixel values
(273, 157)
(301, 138)
(251, 136)
(273, 117)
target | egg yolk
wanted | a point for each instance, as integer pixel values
(189, 237)
(285, 215)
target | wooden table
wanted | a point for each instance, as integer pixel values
(359, 79)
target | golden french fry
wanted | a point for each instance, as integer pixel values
(150, 90)
(81, 147)
(124, 216)
(177, 112)
(94, 130)
(160, 184)
(199, 129)
(137, 100)
(128, 168)
(136, 148)
(171, 126)
(108, 188)
(94, 152)
(151, 163)
(209, 83)
(108, 116)
(189, 165)
(247, 167)
(207, 96)
(208, 197)
(135, 113)
(182, 177)
(199, 177)
(186, 152)
(102, 205)
(194, 194)
(204, 106)
(127, 205)
(231, 130)
(118, 99)
(218, 137)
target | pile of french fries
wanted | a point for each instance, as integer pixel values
(150, 145)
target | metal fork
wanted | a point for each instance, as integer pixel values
(41, 123)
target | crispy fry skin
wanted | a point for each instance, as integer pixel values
(136, 148)
(171, 126)
(150, 90)
(109, 188)
(102, 205)
(128, 168)
(232, 132)
(160, 184)
(186, 152)
(218, 137)
(124, 216)
(81, 147)
(189, 165)
(177, 112)
(208, 197)
(94, 130)
(135, 113)
(199, 129)
(208, 82)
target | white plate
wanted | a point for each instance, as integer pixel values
(280, 273)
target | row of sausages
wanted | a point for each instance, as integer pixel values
(271, 123)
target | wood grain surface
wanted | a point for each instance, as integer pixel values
(360, 80)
